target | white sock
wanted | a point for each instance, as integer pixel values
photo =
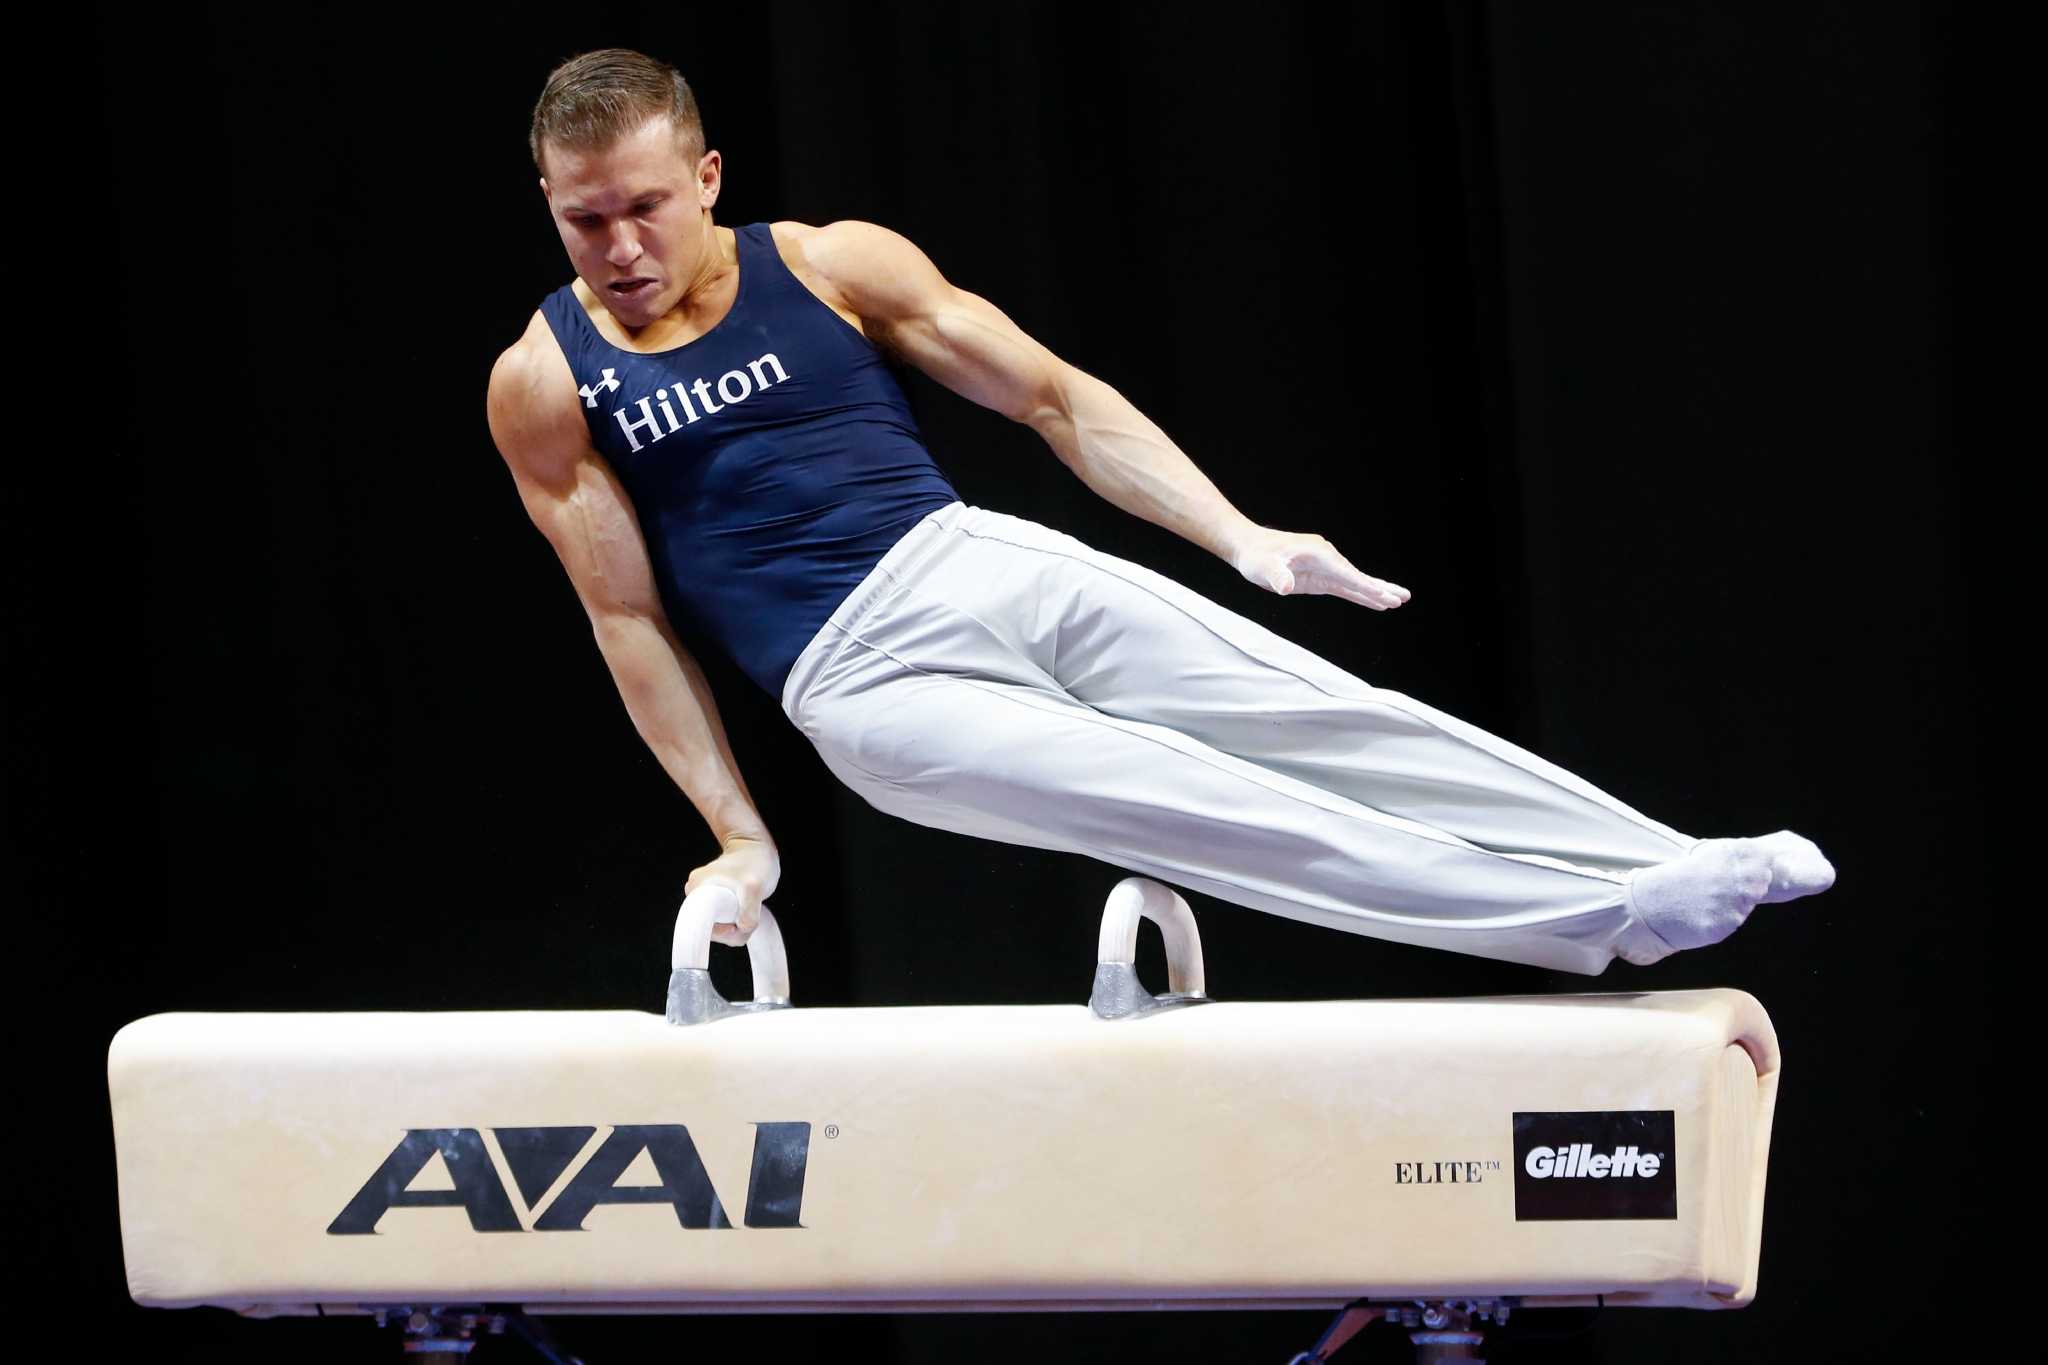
(1706, 895)
(1797, 867)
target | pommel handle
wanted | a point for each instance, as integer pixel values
(1117, 993)
(692, 999)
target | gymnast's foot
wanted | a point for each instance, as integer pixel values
(1705, 896)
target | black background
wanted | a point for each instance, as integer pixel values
(1621, 335)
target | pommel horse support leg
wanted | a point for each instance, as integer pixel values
(1427, 1161)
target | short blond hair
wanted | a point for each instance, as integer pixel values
(593, 100)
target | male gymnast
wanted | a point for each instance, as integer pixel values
(703, 424)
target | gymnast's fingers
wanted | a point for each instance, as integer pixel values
(1339, 577)
(748, 918)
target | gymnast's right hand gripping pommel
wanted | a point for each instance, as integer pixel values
(750, 868)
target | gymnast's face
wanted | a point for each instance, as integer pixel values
(636, 211)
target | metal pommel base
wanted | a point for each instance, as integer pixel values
(692, 999)
(1118, 994)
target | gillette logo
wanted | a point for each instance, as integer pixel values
(1596, 1163)
(1578, 1162)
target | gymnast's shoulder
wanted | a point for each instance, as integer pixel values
(874, 270)
(843, 243)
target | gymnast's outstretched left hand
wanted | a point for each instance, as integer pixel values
(1294, 562)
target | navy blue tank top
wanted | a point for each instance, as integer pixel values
(771, 462)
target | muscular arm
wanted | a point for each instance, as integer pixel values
(966, 343)
(577, 502)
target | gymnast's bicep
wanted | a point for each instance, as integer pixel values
(570, 491)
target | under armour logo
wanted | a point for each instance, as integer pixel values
(591, 391)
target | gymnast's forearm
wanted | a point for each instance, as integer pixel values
(669, 699)
(1124, 457)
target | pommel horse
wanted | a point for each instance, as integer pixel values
(1433, 1163)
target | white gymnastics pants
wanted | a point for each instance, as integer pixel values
(995, 677)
